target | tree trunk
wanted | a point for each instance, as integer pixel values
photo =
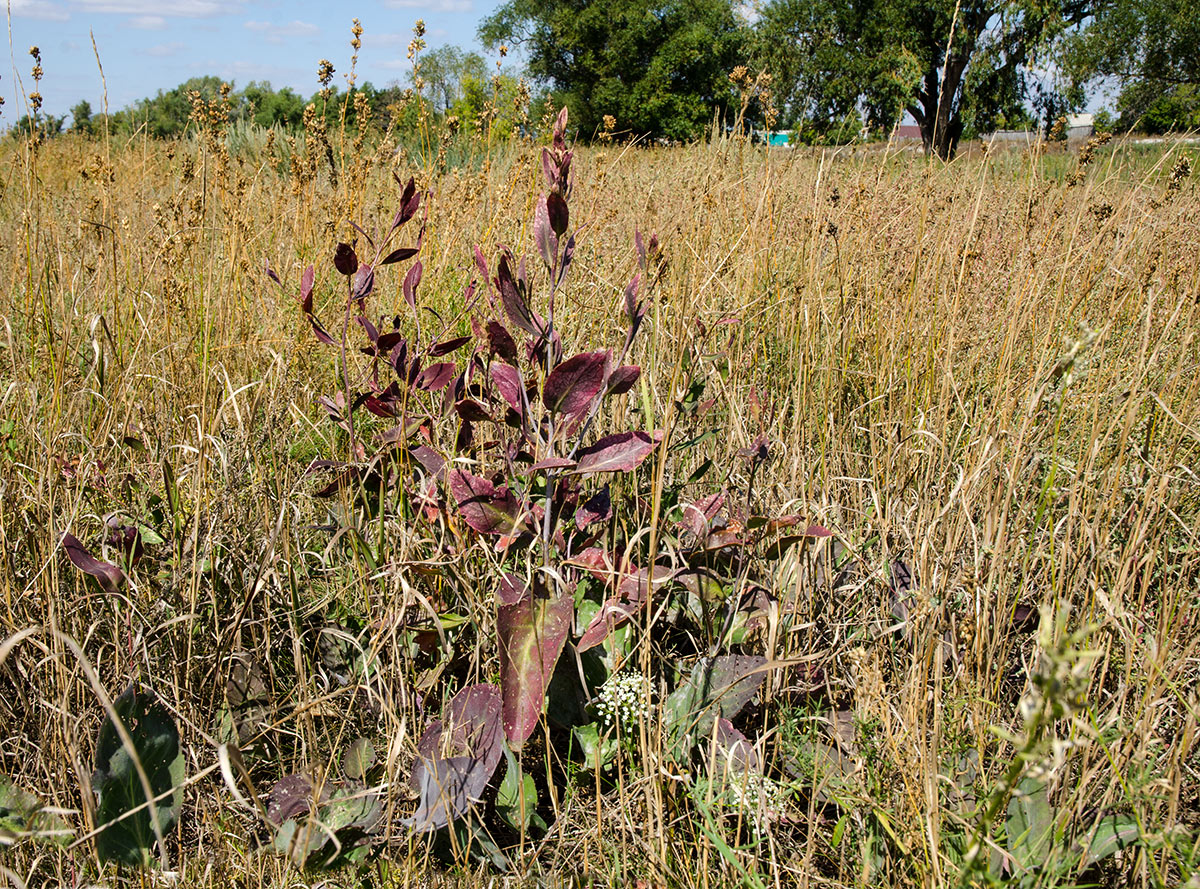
(941, 125)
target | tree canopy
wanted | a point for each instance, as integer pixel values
(1152, 47)
(947, 64)
(660, 68)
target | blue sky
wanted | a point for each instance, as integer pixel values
(148, 45)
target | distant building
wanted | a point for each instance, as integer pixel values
(1080, 127)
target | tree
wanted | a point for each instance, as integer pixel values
(1152, 48)
(660, 68)
(947, 63)
(81, 118)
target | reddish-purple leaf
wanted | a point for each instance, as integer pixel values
(552, 463)
(411, 280)
(597, 508)
(575, 384)
(271, 273)
(621, 452)
(437, 350)
(735, 753)
(399, 255)
(345, 260)
(622, 379)
(532, 632)
(549, 170)
(631, 294)
(431, 461)
(515, 304)
(543, 236)
(456, 757)
(556, 209)
(109, 576)
(436, 376)
(507, 380)
(471, 410)
(486, 508)
(612, 614)
(306, 306)
(698, 516)
(364, 282)
(403, 432)
(511, 590)
(501, 343)
(410, 200)
(567, 255)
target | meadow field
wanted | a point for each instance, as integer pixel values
(896, 580)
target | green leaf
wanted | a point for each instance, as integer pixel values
(716, 687)
(1111, 834)
(22, 815)
(118, 786)
(1030, 823)
(516, 798)
(598, 750)
(358, 759)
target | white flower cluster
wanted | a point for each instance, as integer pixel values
(760, 799)
(624, 699)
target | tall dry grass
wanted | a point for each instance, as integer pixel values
(977, 369)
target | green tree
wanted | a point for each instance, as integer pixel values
(168, 113)
(269, 107)
(81, 118)
(1150, 47)
(948, 64)
(660, 68)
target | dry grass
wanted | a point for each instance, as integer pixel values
(977, 369)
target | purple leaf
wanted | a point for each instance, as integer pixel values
(431, 461)
(364, 282)
(481, 264)
(698, 516)
(456, 757)
(511, 590)
(597, 508)
(290, 797)
(445, 347)
(436, 376)
(543, 236)
(411, 280)
(622, 379)
(410, 200)
(403, 432)
(548, 168)
(486, 508)
(556, 209)
(271, 274)
(532, 632)
(345, 260)
(507, 380)
(471, 410)
(501, 343)
(110, 577)
(621, 452)
(575, 384)
(567, 255)
(306, 306)
(612, 614)
(631, 294)
(551, 463)
(515, 304)
(399, 255)
(735, 753)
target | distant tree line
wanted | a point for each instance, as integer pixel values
(454, 83)
(827, 70)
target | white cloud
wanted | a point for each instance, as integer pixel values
(294, 28)
(39, 9)
(432, 5)
(161, 8)
(163, 50)
(148, 22)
